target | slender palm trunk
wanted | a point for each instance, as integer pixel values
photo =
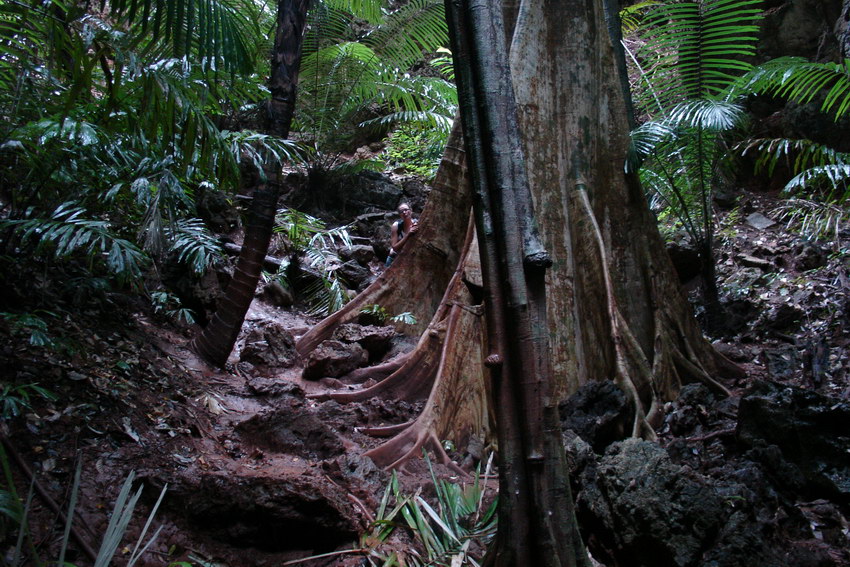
(216, 341)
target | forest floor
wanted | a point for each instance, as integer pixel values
(258, 473)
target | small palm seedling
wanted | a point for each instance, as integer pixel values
(15, 398)
(450, 535)
(375, 314)
(692, 53)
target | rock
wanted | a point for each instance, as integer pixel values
(274, 293)
(263, 386)
(689, 413)
(782, 362)
(367, 191)
(809, 429)
(599, 413)
(334, 358)
(415, 193)
(686, 260)
(216, 209)
(784, 317)
(375, 339)
(753, 262)
(355, 274)
(759, 221)
(269, 344)
(291, 430)
(360, 253)
(253, 511)
(638, 508)
(809, 256)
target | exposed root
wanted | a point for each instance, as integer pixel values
(674, 362)
(378, 372)
(411, 381)
(457, 389)
(409, 445)
(386, 430)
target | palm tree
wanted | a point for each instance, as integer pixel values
(111, 125)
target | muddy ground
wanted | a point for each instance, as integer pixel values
(257, 473)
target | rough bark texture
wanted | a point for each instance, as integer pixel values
(536, 520)
(615, 309)
(216, 341)
(458, 400)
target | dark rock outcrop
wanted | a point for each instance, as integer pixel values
(810, 431)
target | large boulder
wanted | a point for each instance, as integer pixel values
(268, 344)
(809, 429)
(637, 508)
(333, 359)
(642, 509)
(375, 339)
(599, 413)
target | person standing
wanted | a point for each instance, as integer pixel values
(401, 230)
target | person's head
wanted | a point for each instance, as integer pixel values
(404, 210)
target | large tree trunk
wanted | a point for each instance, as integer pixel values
(216, 341)
(536, 520)
(615, 308)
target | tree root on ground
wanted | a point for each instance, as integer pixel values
(458, 401)
(674, 362)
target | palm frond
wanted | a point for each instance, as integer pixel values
(799, 154)
(803, 81)
(194, 244)
(696, 49)
(68, 231)
(631, 16)
(414, 30)
(223, 33)
(815, 219)
(707, 114)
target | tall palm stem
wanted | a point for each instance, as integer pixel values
(217, 340)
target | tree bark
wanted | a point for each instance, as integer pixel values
(536, 520)
(216, 341)
(615, 309)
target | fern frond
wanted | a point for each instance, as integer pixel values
(803, 81)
